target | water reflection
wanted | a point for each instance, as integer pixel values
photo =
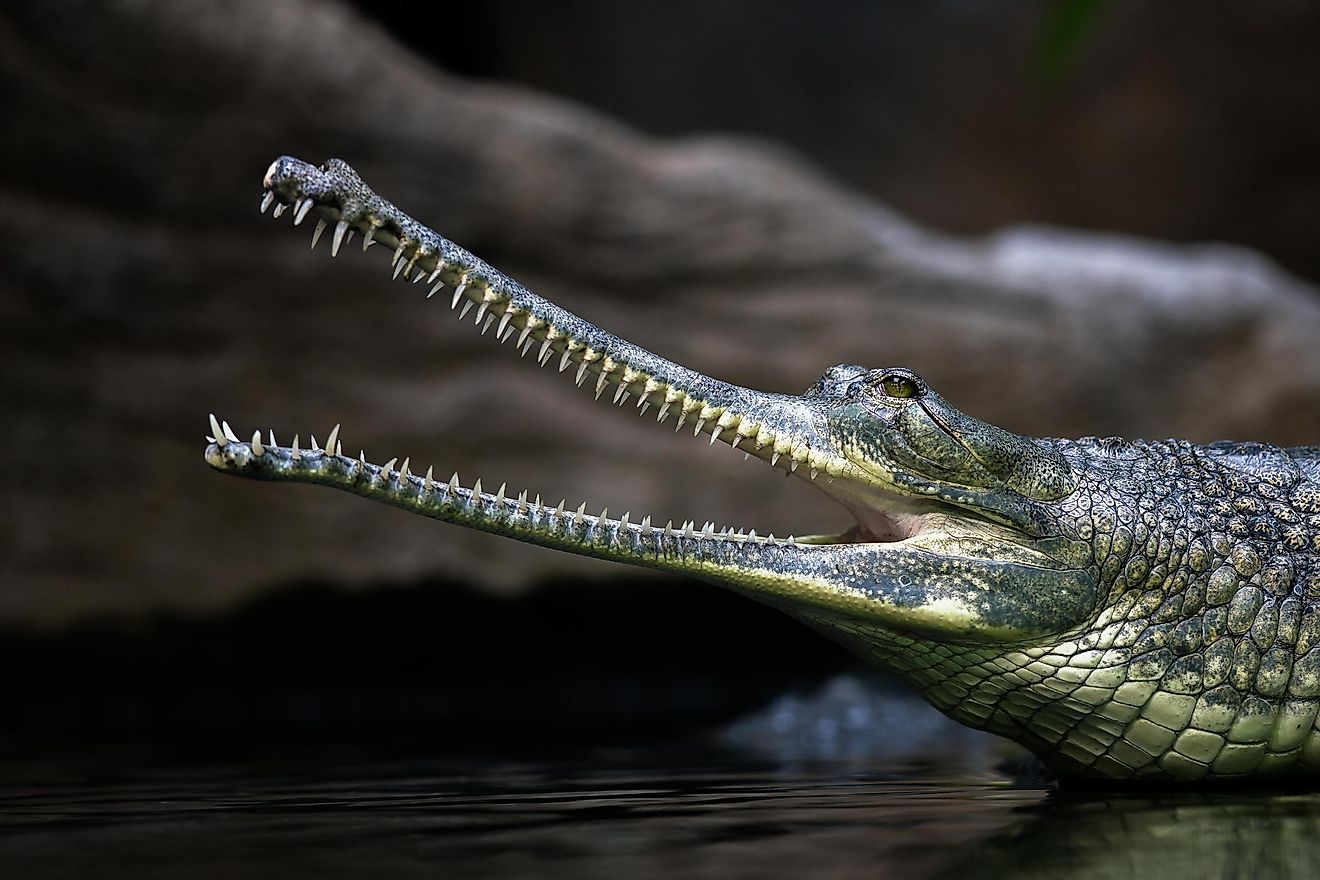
(1083, 836)
(630, 813)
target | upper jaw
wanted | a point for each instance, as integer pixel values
(786, 431)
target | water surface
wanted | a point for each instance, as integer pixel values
(629, 813)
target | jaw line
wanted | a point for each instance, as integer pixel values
(783, 430)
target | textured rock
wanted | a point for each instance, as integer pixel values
(142, 290)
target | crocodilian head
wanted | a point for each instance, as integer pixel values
(962, 532)
(959, 534)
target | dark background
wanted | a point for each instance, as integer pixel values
(757, 189)
(1179, 121)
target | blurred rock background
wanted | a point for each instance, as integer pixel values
(1073, 218)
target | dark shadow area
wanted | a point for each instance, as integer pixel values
(571, 664)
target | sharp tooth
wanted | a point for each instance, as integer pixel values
(458, 292)
(435, 274)
(293, 450)
(279, 209)
(545, 349)
(339, 448)
(429, 480)
(462, 313)
(257, 449)
(646, 522)
(499, 496)
(623, 521)
(701, 424)
(618, 394)
(669, 529)
(774, 459)
(362, 457)
(398, 266)
(340, 228)
(746, 455)
(301, 213)
(490, 319)
(476, 488)
(600, 382)
(403, 470)
(559, 511)
(398, 253)
(664, 411)
(526, 331)
(435, 288)
(229, 432)
(522, 501)
(813, 473)
(316, 447)
(504, 323)
(332, 441)
(580, 514)
(581, 372)
(793, 466)
(709, 530)
(270, 437)
(216, 432)
(504, 337)
(526, 347)
(481, 311)
(566, 359)
(714, 434)
(453, 483)
(385, 468)
(604, 515)
(348, 239)
(316, 233)
(369, 237)
(266, 200)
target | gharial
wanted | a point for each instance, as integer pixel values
(1122, 609)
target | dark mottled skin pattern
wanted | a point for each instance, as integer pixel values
(1204, 657)
(1123, 609)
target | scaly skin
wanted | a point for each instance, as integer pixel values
(1123, 609)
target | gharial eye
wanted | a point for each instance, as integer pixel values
(898, 385)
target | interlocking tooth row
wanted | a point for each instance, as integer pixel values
(452, 491)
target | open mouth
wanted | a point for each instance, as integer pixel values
(778, 429)
(972, 561)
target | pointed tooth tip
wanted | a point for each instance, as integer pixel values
(217, 433)
(337, 239)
